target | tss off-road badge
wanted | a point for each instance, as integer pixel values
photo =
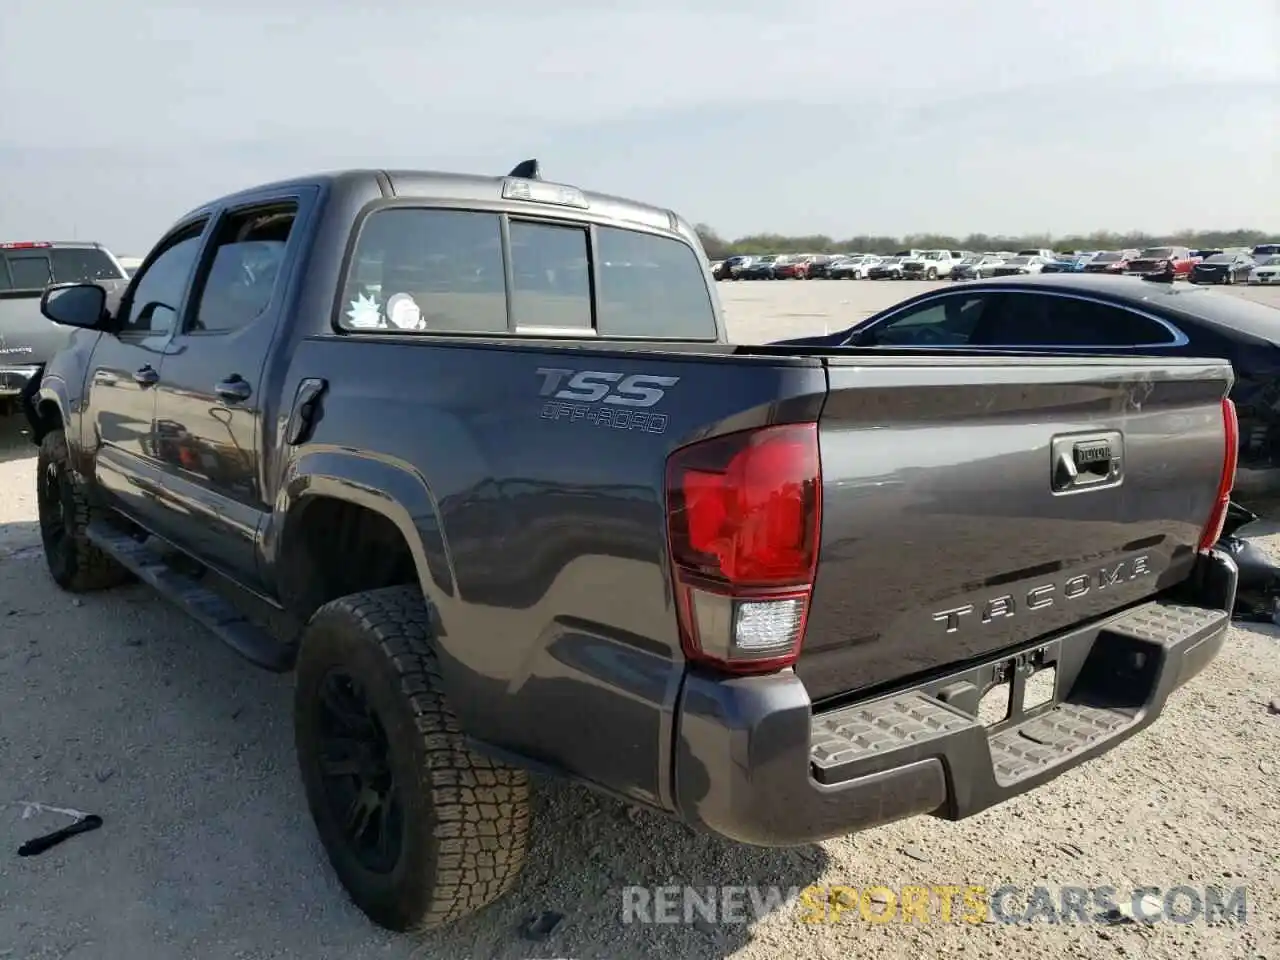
(604, 398)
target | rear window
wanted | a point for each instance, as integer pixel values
(36, 268)
(436, 270)
(1157, 253)
(1221, 258)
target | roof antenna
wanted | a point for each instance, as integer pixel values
(526, 170)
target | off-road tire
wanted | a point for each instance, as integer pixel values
(65, 511)
(931, 274)
(466, 817)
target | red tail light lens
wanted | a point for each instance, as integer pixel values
(743, 519)
(1231, 428)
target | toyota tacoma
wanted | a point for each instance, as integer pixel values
(473, 457)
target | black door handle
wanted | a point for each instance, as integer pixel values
(146, 376)
(233, 389)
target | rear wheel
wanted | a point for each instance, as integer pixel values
(63, 505)
(420, 830)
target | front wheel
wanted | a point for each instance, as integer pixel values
(420, 830)
(63, 506)
(931, 274)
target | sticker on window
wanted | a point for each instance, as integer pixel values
(403, 313)
(365, 313)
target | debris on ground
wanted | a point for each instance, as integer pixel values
(540, 925)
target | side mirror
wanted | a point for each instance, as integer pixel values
(75, 304)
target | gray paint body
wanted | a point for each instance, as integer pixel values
(540, 542)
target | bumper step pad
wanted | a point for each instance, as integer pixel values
(1112, 680)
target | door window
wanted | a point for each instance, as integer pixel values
(947, 321)
(248, 254)
(157, 291)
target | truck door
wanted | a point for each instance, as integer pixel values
(211, 400)
(120, 394)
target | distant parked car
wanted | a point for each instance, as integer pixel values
(1266, 270)
(931, 264)
(1066, 263)
(1111, 261)
(976, 267)
(1019, 265)
(1266, 250)
(854, 268)
(795, 267)
(760, 268)
(1042, 253)
(1167, 263)
(890, 268)
(820, 266)
(731, 267)
(1222, 268)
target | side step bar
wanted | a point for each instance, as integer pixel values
(251, 641)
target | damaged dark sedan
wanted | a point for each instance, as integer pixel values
(1083, 313)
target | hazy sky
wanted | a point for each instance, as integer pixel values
(947, 115)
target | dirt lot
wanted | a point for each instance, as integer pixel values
(116, 704)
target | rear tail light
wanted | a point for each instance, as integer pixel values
(1231, 427)
(743, 522)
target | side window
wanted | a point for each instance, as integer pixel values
(1034, 320)
(30, 272)
(247, 256)
(431, 270)
(156, 294)
(947, 321)
(552, 276)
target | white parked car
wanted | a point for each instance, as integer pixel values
(853, 268)
(1266, 270)
(1042, 254)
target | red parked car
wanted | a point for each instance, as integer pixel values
(1111, 261)
(791, 268)
(1163, 263)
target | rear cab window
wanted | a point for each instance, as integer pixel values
(35, 267)
(455, 271)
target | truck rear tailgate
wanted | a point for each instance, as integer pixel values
(952, 524)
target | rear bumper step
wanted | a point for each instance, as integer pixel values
(747, 769)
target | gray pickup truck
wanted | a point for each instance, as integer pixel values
(473, 456)
(27, 339)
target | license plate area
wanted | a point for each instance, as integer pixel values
(1011, 691)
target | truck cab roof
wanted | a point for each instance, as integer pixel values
(471, 188)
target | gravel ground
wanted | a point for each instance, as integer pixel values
(116, 704)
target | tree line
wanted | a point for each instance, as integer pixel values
(718, 247)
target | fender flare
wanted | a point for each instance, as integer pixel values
(39, 393)
(388, 487)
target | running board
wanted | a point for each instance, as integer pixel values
(246, 638)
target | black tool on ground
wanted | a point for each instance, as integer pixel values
(40, 844)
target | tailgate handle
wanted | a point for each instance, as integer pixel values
(1092, 461)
